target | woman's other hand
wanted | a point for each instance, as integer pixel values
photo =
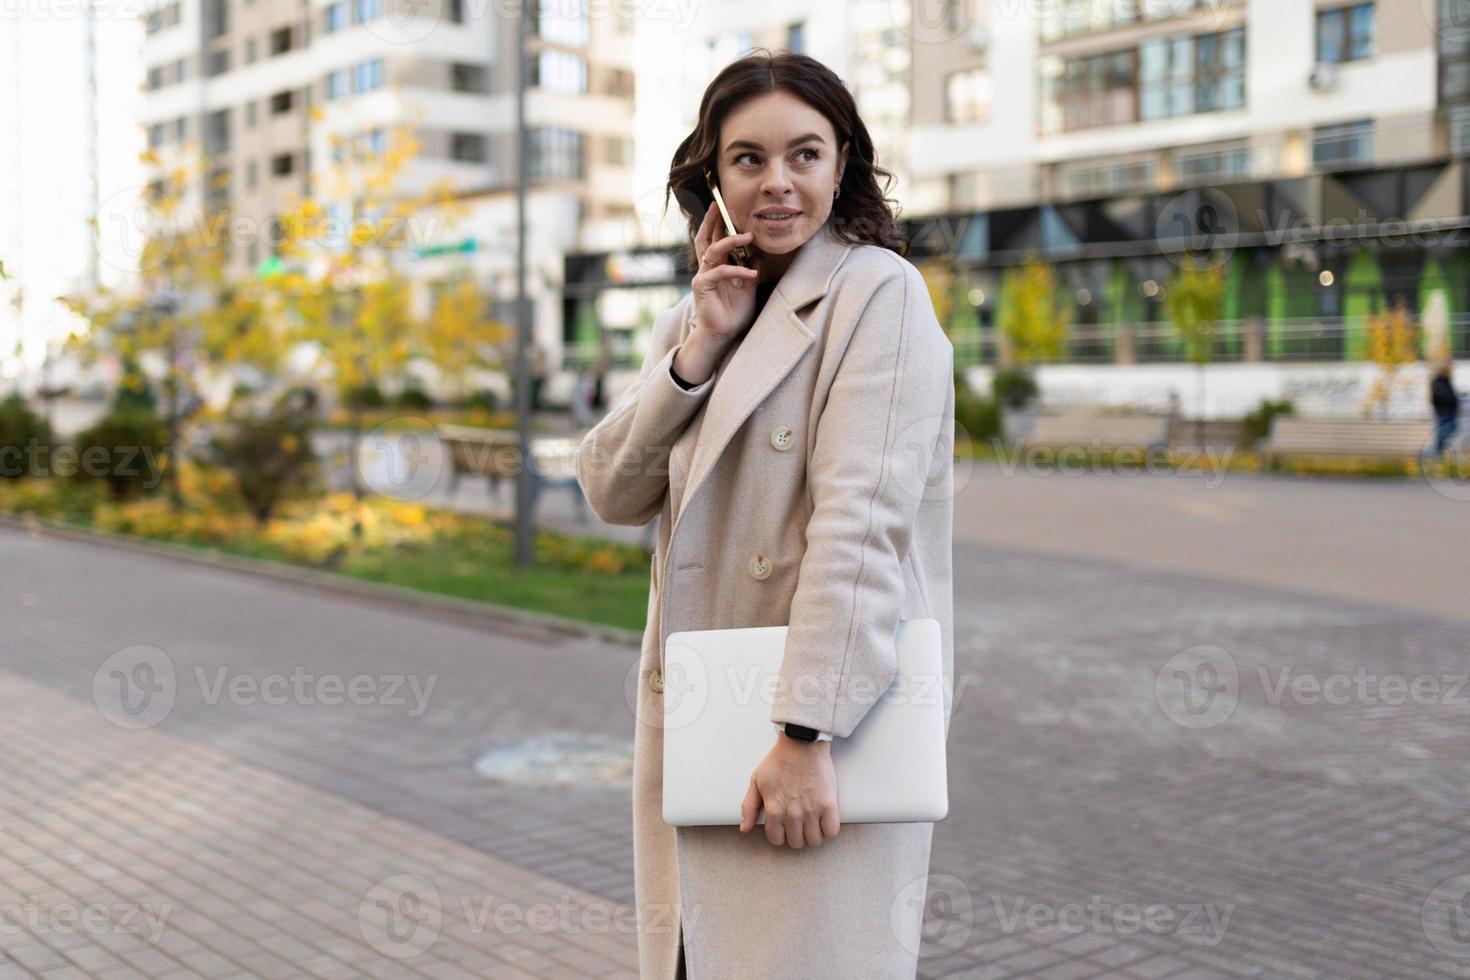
(797, 786)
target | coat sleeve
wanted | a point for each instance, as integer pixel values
(875, 443)
(622, 461)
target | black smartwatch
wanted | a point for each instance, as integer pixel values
(800, 732)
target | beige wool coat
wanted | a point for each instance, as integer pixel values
(807, 483)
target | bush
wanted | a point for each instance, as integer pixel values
(127, 450)
(270, 456)
(414, 398)
(367, 396)
(978, 417)
(1013, 387)
(20, 429)
(133, 390)
(486, 400)
(1256, 424)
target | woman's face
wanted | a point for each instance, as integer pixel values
(778, 155)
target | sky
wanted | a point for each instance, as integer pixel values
(45, 169)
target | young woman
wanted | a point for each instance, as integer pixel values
(792, 426)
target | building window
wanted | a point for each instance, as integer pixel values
(456, 11)
(562, 21)
(250, 51)
(217, 189)
(282, 165)
(557, 154)
(796, 37)
(167, 15)
(366, 10)
(155, 78)
(335, 18)
(1347, 144)
(280, 41)
(1180, 76)
(1454, 56)
(216, 17)
(557, 71)
(217, 62)
(250, 174)
(617, 151)
(1345, 33)
(967, 96)
(1108, 178)
(367, 75)
(250, 114)
(181, 129)
(181, 70)
(217, 131)
(375, 140)
(157, 133)
(337, 85)
(1097, 90)
(1207, 164)
(468, 147)
(620, 82)
(467, 78)
(281, 103)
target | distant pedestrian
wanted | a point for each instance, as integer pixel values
(538, 375)
(583, 396)
(599, 380)
(1446, 402)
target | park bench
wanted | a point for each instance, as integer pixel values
(1102, 431)
(495, 454)
(1346, 437)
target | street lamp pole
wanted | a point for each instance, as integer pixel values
(523, 311)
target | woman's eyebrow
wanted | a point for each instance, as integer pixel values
(756, 146)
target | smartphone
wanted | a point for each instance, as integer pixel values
(740, 253)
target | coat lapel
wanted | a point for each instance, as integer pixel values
(764, 356)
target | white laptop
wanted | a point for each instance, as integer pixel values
(718, 688)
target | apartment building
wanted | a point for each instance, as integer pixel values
(263, 86)
(1320, 145)
(1015, 103)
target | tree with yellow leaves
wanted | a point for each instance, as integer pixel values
(1030, 317)
(1196, 300)
(1393, 341)
(347, 291)
(181, 309)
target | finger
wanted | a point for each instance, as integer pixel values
(775, 828)
(794, 832)
(750, 806)
(811, 831)
(719, 250)
(831, 822)
(710, 278)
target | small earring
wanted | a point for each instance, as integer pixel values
(837, 193)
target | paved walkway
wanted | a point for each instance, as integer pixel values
(1153, 773)
(133, 853)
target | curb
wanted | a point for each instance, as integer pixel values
(485, 615)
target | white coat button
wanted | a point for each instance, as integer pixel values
(760, 566)
(782, 437)
(656, 680)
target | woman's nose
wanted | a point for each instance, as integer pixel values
(776, 181)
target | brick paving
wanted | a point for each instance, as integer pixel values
(139, 854)
(1147, 779)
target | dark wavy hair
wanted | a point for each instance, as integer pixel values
(860, 215)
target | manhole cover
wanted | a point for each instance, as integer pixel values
(554, 759)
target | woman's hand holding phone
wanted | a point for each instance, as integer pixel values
(723, 307)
